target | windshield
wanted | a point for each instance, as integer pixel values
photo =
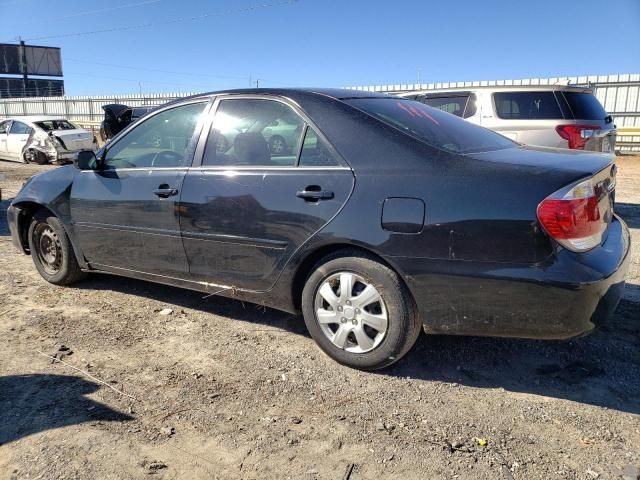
(50, 125)
(434, 127)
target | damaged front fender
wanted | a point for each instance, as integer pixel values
(51, 193)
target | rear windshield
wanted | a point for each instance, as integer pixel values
(585, 106)
(434, 127)
(527, 105)
(49, 125)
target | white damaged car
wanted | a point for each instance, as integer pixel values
(42, 140)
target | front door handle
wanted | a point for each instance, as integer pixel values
(314, 195)
(165, 191)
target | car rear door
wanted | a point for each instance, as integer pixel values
(125, 216)
(245, 210)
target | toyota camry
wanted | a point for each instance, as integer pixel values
(382, 218)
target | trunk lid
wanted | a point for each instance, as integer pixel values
(74, 140)
(573, 163)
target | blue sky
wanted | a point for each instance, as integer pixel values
(323, 42)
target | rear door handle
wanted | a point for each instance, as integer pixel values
(315, 195)
(165, 192)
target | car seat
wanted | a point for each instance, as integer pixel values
(250, 148)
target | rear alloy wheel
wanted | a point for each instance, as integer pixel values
(359, 312)
(51, 250)
(351, 312)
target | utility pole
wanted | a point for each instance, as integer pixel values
(23, 60)
(257, 83)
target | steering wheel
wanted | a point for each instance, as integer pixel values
(166, 156)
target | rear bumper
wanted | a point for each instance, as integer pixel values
(565, 297)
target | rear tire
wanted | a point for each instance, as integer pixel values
(51, 250)
(359, 311)
(34, 156)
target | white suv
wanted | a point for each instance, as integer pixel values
(550, 116)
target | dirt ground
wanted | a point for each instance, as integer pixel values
(222, 389)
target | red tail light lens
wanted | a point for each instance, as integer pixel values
(572, 217)
(577, 135)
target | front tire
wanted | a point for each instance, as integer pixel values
(51, 250)
(359, 311)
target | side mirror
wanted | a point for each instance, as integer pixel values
(87, 160)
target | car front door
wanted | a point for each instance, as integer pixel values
(16, 140)
(125, 214)
(246, 209)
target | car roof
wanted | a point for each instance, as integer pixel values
(34, 118)
(336, 93)
(505, 88)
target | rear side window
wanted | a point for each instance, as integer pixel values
(432, 126)
(584, 106)
(459, 105)
(527, 105)
(3, 127)
(315, 151)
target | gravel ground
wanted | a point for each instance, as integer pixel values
(222, 389)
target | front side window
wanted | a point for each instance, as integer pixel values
(527, 105)
(432, 126)
(254, 132)
(161, 141)
(19, 128)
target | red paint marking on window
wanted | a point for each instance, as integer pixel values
(405, 109)
(415, 111)
(430, 117)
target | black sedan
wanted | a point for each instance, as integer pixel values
(388, 216)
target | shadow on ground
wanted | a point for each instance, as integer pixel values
(601, 369)
(35, 403)
(4, 205)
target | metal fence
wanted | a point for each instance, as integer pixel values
(80, 109)
(85, 111)
(619, 94)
